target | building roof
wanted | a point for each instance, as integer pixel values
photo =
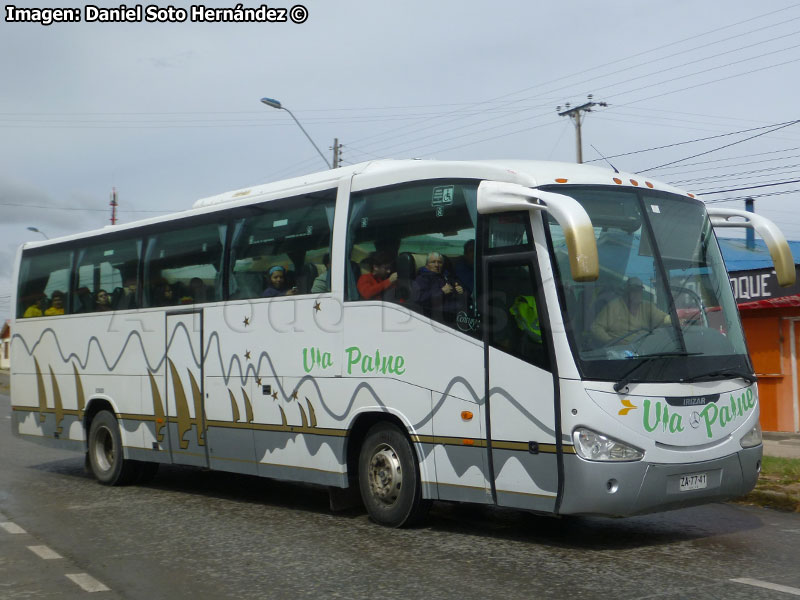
(740, 258)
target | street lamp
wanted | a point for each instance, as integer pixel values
(38, 231)
(276, 104)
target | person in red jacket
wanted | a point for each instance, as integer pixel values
(372, 285)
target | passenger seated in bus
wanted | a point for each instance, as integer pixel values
(84, 300)
(37, 308)
(464, 267)
(56, 304)
(276, 283)
(322, 283)
(437, 293)
(164, 295)
(380, 278)
(623, 318)
(102, 301)
(125, 298)
(197, 290)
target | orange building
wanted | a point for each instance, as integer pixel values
(771, 320)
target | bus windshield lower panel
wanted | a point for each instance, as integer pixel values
(662, 309)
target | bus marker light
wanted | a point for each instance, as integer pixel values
(648, 184)
(466, 415)
(617, 180)
(561, 180)
(634, 183)
(468, 442)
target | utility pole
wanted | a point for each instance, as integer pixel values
(577, 118)
(750, 240)
(337, 153)
(113, 204)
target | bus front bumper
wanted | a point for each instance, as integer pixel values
(631, 488)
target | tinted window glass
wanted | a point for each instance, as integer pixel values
(44, 284)
(106, 275)
(283, 247)
(414, 244)
(184, 266)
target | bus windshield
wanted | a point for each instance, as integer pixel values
(662, 305)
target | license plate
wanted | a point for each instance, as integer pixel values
(695, 481)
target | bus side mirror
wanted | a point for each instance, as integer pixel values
(499, 196)
(769, 232)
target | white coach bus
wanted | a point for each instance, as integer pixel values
(554, 337)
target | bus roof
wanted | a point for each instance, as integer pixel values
(530, 173)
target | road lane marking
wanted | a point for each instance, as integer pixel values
(87, 582)
(12, 527)
(44, 552)
(770, 586)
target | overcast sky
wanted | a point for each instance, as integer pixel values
(169, 112)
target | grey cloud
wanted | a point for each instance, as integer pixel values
(24, 204)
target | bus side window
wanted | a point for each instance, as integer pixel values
(413, 244)
(289, 239)
(44, 284)
(184, 265)
(103, 269)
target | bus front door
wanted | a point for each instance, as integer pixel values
(520, 407)
(184, 385)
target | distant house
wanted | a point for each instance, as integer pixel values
(770, 317)
(5, 345)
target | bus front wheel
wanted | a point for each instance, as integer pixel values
(106, 460)
(388, 477)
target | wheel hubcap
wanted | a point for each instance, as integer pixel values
(385, 474)
(104, 449)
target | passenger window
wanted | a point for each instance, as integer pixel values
(107, 274)
(282, 248)
(44, 284)
(513, 321)
(184, 265)
(414, 244)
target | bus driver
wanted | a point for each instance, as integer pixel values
(621, 318)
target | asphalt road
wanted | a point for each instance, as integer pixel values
(198, 534)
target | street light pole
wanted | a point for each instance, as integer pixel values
(38, 231)
(276, 104)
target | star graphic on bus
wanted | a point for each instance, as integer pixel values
(317, 307)
(258, 380)
(247, 354)
(274, 395)
(246, 321)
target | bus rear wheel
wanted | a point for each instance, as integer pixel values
(388, 477)
(106, 460)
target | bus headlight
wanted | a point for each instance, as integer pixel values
(595, 446)
(751, 438)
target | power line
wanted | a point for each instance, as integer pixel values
(752, 187)
(782, 126)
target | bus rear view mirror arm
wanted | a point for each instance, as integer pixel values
(498, 196)
(769, 232)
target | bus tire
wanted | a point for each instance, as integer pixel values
(106, 460)
(388, 477)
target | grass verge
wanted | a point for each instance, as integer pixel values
(778, 485)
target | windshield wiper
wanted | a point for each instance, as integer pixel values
(626, 378)
(721, 375)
